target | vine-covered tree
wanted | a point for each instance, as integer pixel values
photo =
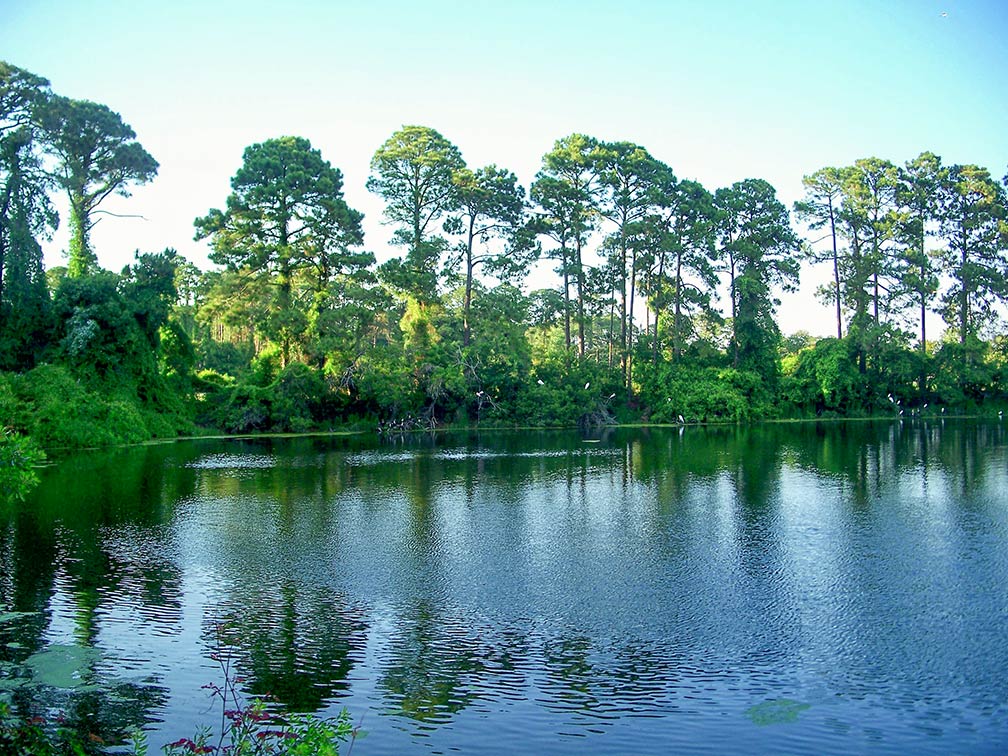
(97, 155)
(26, 215)
(763, 251)
(286, 214)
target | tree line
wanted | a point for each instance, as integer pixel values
(662, 305)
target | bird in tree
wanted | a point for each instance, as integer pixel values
(96, 155)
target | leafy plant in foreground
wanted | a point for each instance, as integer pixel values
(19, 456)
(251, 728)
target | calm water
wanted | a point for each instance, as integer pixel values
(790, 588)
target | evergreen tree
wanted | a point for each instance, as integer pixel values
(414, 172)
(286, 214)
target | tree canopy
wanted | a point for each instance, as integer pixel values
(647, 287)
(96, 155)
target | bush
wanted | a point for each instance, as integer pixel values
(58, 412)
(298, 397)
(19, 457)
(703, 394)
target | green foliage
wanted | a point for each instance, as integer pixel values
(19, 456)
(224, 357)
(820, 209)
(703, 394)
(58, 411)
(974, 220)
(826, 378)
(35, 736)
(761, 252)
(569, 392)
(249, 729)
(26, 215)
(298, 331)
(254, 731)
(110, 325)
(414, 172)
(491, 208)
(963, 374)
(98, 155)
(385, 383)
(297, 400)
(285, 224)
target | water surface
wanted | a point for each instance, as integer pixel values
(827, 588)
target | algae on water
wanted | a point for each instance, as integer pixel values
(779, 711)
(58, 666)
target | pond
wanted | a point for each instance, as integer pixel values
(781, 588)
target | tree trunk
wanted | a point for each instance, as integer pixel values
(630, 315)
(836, 271)
(658, 298)
(734, 310)
(624, 348)
(468, 286)
(566, 288)
(579, 273)
(676, 323)
(964, 292)
(81, 259)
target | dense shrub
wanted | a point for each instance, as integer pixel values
(707, 394)
(18, 458)
(60, 411)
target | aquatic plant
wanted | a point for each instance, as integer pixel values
(247, 727)
(251, 728)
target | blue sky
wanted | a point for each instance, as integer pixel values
(720, 91)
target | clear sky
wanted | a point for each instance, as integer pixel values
(721, 91)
